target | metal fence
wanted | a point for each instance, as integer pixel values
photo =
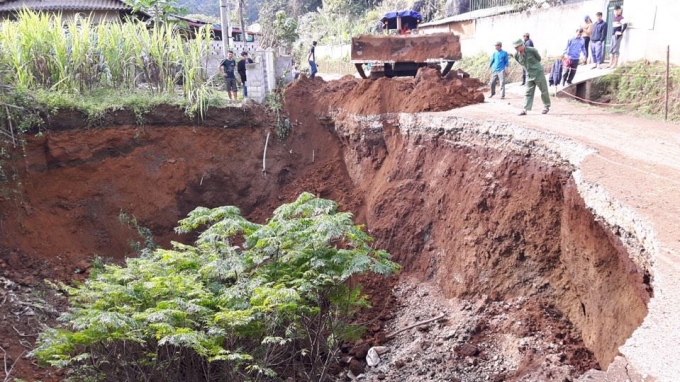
(484, 4)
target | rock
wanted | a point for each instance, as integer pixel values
(356, 367)
(467, 350)
(381, 349)
(345, 360)
(379, 338)
(360, 350)
(399, 364)
(372, 358)
(382, 376)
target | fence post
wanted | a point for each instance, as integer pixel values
(668, 66)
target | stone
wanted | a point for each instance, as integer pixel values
(372, 357)
(360, 350)
(356, 367)
(467, 350)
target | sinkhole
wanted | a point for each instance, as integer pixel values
(475, 209)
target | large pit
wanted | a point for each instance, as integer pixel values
(482, 214)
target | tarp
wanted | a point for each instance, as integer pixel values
(409, 19)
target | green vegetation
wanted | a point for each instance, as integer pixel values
(248, 301)
(75, 58)
(641, 86)
(478, 67)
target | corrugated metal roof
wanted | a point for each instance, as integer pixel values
(63, 5)
(478, 14)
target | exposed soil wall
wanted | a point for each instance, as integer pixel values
(481, 221)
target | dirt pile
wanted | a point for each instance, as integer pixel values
(471, 340)
(428, 91)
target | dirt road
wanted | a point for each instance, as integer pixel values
(637, 162)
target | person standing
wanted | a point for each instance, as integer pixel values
(619, 25)
(597, 37)
(587, 30)
(241, 68)
(572, 53)
(499, 64)
(227, 67)
(311, 58)
(530, 60)
(529, 43)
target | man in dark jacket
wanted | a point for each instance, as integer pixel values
(597, 37)
(527, 42)
(241, 67)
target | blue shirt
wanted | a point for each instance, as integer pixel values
(499, 61)
(575, 47)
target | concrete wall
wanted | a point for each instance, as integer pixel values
(261, 75)
(284, 68)
(331, 52)
(550, 28)
(651, 28)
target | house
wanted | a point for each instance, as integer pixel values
(99, 10)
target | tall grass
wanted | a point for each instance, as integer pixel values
(75, 56)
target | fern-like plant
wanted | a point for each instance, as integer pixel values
(247, 302)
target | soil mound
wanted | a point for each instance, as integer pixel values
(428, 91)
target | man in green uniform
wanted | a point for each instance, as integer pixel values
(530, 60)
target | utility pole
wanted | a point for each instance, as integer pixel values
(241, 5)
(224, 19)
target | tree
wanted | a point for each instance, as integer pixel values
(247, 301)
(278, 31)
(159, 9)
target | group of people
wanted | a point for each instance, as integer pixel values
(228, 69)
(591, 35)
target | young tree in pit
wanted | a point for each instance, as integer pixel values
(247, 301)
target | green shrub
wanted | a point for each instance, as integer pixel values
(247, 301)
(641, 86)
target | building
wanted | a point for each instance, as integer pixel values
(99, 10)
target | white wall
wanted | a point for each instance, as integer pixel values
(331, 52)
(550, 29)
(653, 26)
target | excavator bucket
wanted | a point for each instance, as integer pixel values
(419, 48)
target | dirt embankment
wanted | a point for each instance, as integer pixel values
(503, 234)
(428, 91)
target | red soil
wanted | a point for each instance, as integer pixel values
(428, 91)
(433, 206)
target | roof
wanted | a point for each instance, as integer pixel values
(64, 5)
(478, 14)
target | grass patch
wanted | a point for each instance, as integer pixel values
(641, 86)
(99, 102)
(478, 67)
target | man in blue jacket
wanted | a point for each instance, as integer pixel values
(572, 53)
(499, 63)
(597, 37)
